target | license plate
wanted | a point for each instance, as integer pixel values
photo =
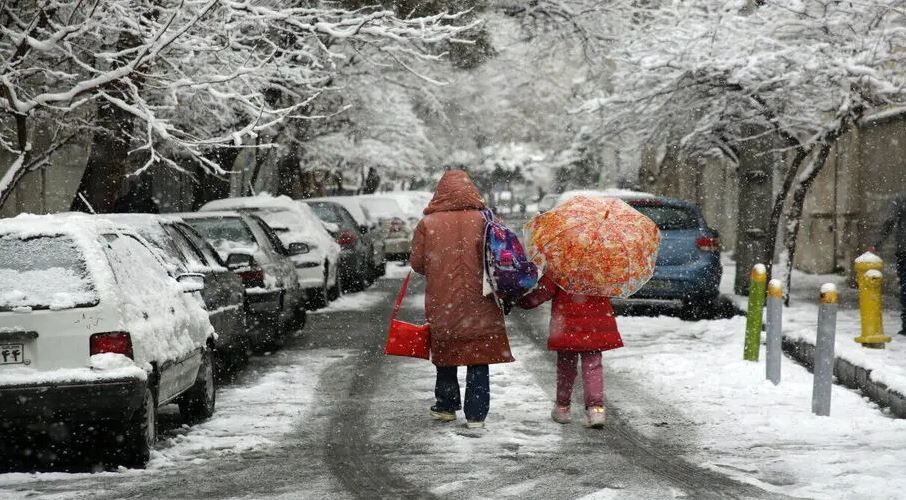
(657, 285)
(12, 354)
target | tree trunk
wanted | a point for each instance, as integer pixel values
(105, 171)
(797, 204)
(210, 187)
(779, 202)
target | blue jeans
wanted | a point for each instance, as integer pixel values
(901, 274)
(478, 391)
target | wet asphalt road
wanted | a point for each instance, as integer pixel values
(370, 437)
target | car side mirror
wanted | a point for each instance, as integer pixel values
(298, 249)
(191, 282)
(239, 261)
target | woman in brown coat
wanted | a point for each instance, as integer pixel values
(467, 328)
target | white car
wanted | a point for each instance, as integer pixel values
(94, 332)
(294, 222)
(395, 224)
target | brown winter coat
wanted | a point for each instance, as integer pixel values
(467, 328)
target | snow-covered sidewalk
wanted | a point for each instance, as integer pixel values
(880, 373)
(755, 431)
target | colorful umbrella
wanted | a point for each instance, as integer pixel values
(594, 246)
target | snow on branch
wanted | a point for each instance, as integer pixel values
(708, 71)
(195, 74)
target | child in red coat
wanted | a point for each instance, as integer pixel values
(581, 326)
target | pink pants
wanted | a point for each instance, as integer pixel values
(592, 377)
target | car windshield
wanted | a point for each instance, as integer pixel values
(44, 272)
(382, 208)
(669, 217)
(325, 212)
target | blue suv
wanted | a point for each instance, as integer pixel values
(688, 266)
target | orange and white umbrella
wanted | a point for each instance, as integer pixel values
(594, 246)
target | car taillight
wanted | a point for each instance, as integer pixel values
(708, 244)
(396, 225)
(115, 342)
(347, 238)
(252, 278)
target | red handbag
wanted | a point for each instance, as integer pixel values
(407, 339)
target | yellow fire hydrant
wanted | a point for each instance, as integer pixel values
(869, 279)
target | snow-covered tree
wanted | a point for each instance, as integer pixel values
(708, 73)
(172, 80)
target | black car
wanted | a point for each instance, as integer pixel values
(356, 247)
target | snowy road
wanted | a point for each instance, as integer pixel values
(331, 417)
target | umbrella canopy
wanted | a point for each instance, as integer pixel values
(594, 246)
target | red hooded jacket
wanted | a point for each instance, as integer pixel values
(579, 323)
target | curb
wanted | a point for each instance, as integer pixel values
(849, 375)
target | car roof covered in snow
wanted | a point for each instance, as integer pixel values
(69, 223)
(352, 204)
(626, 195)
(296, 220)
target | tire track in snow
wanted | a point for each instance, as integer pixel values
(360, 464)
(658, 454)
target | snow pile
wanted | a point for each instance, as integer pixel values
(109, 361)
(749, 428)
(397, 271)
(361, 301)
(868, 257)
(21, 375)
(54, 288)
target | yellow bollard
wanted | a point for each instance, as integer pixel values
(869, 278)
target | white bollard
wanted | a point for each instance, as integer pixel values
(774, 330)
(824, 351)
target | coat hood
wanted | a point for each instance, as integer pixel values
(455, 192)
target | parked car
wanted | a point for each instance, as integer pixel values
(185, 251)
(369, 230)
(359, 254)
(96, 333)
(295, 222)
(412, 203)
(688, 268)
(274, 301)
(394, 222)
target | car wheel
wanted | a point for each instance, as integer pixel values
(198, 403)
(140, 433)
(270, 333)
(337, 289)
(698, 308)
(380, 269)
(321, 296)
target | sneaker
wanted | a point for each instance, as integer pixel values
(475, 425)
(595, 417)
(560, 414)
(442, 415)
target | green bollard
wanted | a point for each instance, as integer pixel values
(757, 290)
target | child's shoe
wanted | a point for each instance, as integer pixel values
(477, 424)
(560, 414)
(595, 417)
(443, 415)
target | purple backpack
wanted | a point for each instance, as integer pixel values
(510, 272)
